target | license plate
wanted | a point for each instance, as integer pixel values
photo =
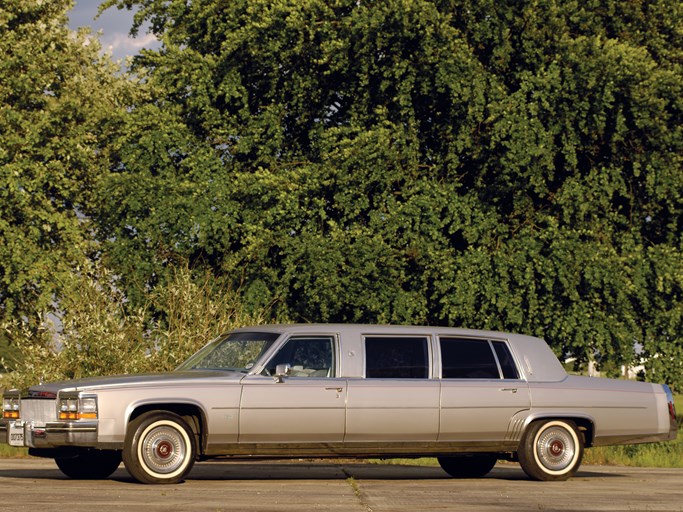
(16, 435)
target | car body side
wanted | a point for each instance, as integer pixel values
(347, 413)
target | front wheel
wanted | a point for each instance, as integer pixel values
(90, 464)
(468, 466)
(159, 448)
(551, 450)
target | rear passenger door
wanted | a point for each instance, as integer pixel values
(398, 400)
(481, 389)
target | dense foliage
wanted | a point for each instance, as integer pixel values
(58, 97)
(490, 164)
(497, 164)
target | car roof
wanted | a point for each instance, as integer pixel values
(535, 358)
(371, 329)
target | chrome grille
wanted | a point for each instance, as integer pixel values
(38, 410)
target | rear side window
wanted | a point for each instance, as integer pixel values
(463, 358)
(394, 357)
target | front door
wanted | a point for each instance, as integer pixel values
(308, 405)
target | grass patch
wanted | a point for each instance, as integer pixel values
(422, 461)
(655, 455)
(12, 452)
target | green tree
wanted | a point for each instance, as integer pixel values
(489, 164)
(58, 101)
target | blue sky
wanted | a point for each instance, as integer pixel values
(114, 24)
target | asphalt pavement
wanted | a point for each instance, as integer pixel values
(37, 485)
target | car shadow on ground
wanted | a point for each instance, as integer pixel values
(287, 470)
(357, 470)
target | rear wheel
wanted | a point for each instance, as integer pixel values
(468, 466)
(159, 448)
(551, 450)
(90, 464)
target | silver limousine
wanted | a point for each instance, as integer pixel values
(468, 398)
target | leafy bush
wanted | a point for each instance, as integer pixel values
(98, 333)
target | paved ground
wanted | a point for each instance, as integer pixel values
(36, 485)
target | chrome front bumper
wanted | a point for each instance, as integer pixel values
(51, 434)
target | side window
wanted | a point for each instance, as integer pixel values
(507, 363)
(308, 356)
(467, 359)
(394, 357)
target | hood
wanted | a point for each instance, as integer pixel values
(134, 380)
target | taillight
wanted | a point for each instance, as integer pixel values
(670, 400)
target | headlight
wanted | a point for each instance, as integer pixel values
(77, 407)
(10, 407)
(88, 407)
(68, 405)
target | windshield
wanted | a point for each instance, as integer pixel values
(237, 352)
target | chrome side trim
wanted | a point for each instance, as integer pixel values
(370, 450)
(515, 429)
(62, 427)
(633, 439)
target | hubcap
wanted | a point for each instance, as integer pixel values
(164, 449)
(555, 448)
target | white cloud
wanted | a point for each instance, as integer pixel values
(113, 26)
(121, 44)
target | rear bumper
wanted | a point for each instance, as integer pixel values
(59, 433)
(673, 432)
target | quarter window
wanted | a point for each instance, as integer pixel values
(507, 364)
(467, 359)
(396, 357)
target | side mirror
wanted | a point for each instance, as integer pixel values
(281, 371)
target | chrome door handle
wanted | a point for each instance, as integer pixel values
(338, 390)
(512, 390)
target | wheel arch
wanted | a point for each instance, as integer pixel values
(584, 422)
(193, 413)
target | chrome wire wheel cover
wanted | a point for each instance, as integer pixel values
(556, 448)
(163, 448)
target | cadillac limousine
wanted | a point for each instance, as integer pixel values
(468, 398)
